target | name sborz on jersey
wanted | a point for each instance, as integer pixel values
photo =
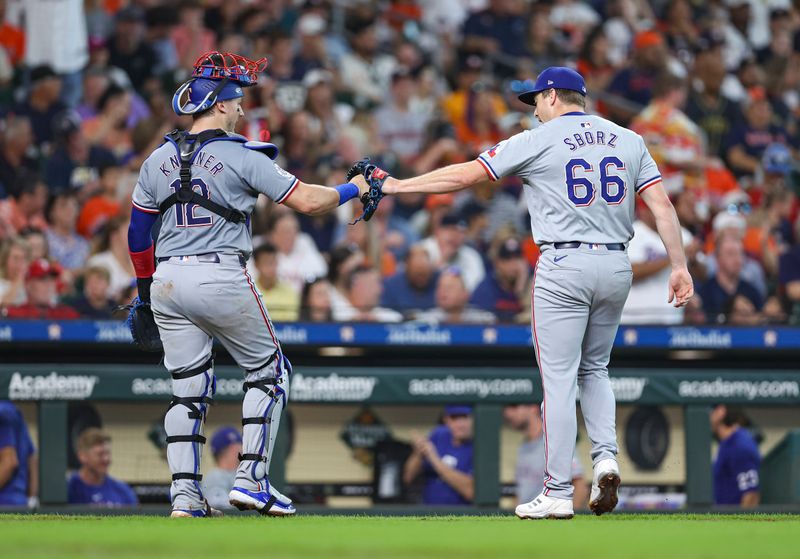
(591, 138)
(202, 160)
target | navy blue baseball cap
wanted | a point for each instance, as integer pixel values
(457, 409)
(223, 438)
(555, 77)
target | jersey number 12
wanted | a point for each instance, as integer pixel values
(581, 190)
(184, 213)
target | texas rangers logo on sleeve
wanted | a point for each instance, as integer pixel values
(492, 151)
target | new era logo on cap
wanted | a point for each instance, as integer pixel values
(549, 82)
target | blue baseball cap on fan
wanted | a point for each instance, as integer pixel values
(223, 438)
(457, 409)
(555, 77)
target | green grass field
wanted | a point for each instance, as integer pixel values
(345, 537)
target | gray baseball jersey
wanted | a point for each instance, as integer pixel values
(224, 171)
(580, 173)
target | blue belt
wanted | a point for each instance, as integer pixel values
(208, 257)
(578, 244)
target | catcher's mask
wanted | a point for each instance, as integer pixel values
(216, 77)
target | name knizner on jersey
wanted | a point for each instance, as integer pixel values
(409, 334)
(692, 337)
(201, 160)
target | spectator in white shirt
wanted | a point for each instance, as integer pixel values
(298, 257)
(647, 300)
(364, 288)
(452, 301)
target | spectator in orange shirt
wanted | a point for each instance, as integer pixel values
(26, 209)
(479, 129)
(99, 209)
(674, 141)
(12, 38)
(765, 227)
(455, 104)
(41, 288)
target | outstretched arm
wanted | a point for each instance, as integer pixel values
(447, 179)
(681, 288)
(314, 199)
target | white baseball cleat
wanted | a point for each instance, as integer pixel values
(545, 507)
(269, 502)
(604, 486)
(207, 512)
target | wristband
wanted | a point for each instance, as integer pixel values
(347, 192)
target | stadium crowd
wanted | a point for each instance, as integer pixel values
(713, 87)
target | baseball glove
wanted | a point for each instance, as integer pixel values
(375, 177)
(143, 326)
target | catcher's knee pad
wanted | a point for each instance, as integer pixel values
(193, 391)
(266, 395)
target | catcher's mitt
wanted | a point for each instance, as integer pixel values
(375, 177)
(143, 326)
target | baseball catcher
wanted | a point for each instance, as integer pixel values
(194, 286)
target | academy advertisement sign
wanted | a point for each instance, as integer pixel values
(51, 387)
(331, 388)
(470, 387)
(746, 389)
(399, 385)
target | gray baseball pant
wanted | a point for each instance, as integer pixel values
(195, 300)
(578, 295)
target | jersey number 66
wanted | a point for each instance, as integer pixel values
(581, 190)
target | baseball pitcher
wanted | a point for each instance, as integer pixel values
(581, 174)
(204, 184)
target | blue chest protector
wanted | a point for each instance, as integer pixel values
(188, 146)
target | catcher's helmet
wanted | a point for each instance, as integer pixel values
(216, 77)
